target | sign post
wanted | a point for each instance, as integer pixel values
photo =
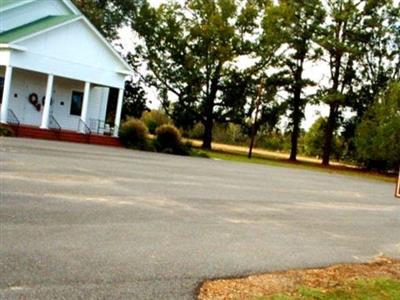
(397, 193)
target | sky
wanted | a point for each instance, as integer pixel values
(315, 72)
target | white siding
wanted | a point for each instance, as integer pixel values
(71, 51)
(74, 43)
(31, 12)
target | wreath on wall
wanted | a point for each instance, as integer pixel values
(34, 100)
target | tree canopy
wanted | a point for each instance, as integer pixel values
(207, 60)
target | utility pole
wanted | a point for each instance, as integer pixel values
(254, 127)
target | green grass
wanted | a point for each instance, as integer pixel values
(256, 159)
(373, 289)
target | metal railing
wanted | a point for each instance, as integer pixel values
(13, 121)
(101, 127)
(54, 125)
(12, 118)
(83, 127)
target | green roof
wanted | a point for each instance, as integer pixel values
(31, 28)
(4, 3)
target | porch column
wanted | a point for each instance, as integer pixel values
(47, 102)
(117, 121)
(6, 95)
(85, 103)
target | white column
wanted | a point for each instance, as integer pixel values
(47, 102)
(6, 94)
(117, 121)
(85, 104)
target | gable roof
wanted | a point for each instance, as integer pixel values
(33, 27)
(51, 22)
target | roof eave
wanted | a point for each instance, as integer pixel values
(12, 47)
(125, 72)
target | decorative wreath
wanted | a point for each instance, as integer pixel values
(34, 100)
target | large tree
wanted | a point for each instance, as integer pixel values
(379, 64)
(300, 24)
(189, 48)
(346, 30)
(380, 60)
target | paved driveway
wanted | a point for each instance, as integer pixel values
(89, 222)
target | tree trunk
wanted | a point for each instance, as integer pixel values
(330, 127)
(209, 109)
(296, 125)
(207, 137)
(298, 87)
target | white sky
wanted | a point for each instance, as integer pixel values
(316, 72)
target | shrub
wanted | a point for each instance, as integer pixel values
(168, 140)
(133, 134)
(377, 137)
(6, 131)
(154, 119)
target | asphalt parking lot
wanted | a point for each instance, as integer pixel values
(88, 222)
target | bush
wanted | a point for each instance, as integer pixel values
(6, 131)
(154, 119)
(133, 134)
(168, 140)
(377, 137)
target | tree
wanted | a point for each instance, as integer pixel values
(346, 31)
(380, 60)
(378, 65)
(134, 100)
(240, 92)
(378, 135)
(189, 48)
(302, 21)
(108, 15)
(252, 92)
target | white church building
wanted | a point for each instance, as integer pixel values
(56, 69)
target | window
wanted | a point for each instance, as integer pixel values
(1, 89)
(76, 103)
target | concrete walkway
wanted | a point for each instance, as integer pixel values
(91, 222)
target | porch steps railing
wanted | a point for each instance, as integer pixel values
(53, 124)
(101, 127)
(83, 127)
(13, 120)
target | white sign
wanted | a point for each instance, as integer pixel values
(397, 194)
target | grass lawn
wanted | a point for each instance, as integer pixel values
(372, 289)
(279, 162)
